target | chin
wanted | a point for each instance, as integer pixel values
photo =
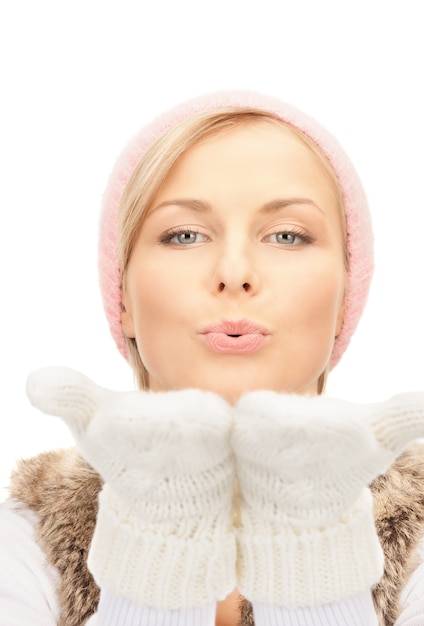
(239, 378)
(232, 388)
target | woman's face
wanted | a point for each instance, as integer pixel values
(237, 278)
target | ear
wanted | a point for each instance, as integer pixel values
(127, 320)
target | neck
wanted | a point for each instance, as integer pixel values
(228, 611)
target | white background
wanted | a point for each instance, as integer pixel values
(77, 81)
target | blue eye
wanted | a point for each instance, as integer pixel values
(287, 238)
(290, 238)
(183, 237)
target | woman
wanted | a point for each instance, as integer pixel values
(235, 260)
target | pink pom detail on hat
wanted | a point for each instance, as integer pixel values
(358, 222)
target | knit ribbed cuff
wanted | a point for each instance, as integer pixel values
(311, 566)
(158, 568)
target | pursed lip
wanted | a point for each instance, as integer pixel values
(234, 336)
(235, 327)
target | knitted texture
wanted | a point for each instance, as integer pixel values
(164, 535)
(306, 532)
(358, 225)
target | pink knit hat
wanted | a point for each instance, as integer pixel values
(358, 223)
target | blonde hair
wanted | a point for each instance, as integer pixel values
(154, 167)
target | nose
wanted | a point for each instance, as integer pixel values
(236, 270)
(245, 287)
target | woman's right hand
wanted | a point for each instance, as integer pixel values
(164, 534)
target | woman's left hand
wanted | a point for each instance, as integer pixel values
(304, 464)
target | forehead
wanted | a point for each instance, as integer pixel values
(255, 152)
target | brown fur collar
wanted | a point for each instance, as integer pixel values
(62, 489)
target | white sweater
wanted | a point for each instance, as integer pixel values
(28, 593)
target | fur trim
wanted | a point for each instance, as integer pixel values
(399, 514)
(62, 489)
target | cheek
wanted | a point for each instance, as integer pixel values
(317, 301)
(159, 296)
(150, 304)
(150, 297)
(309, 315)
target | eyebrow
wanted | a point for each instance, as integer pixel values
(276, 205)
(203, 207)
(187, 203)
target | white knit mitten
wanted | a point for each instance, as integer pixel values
(164, 535)
(307, 534)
